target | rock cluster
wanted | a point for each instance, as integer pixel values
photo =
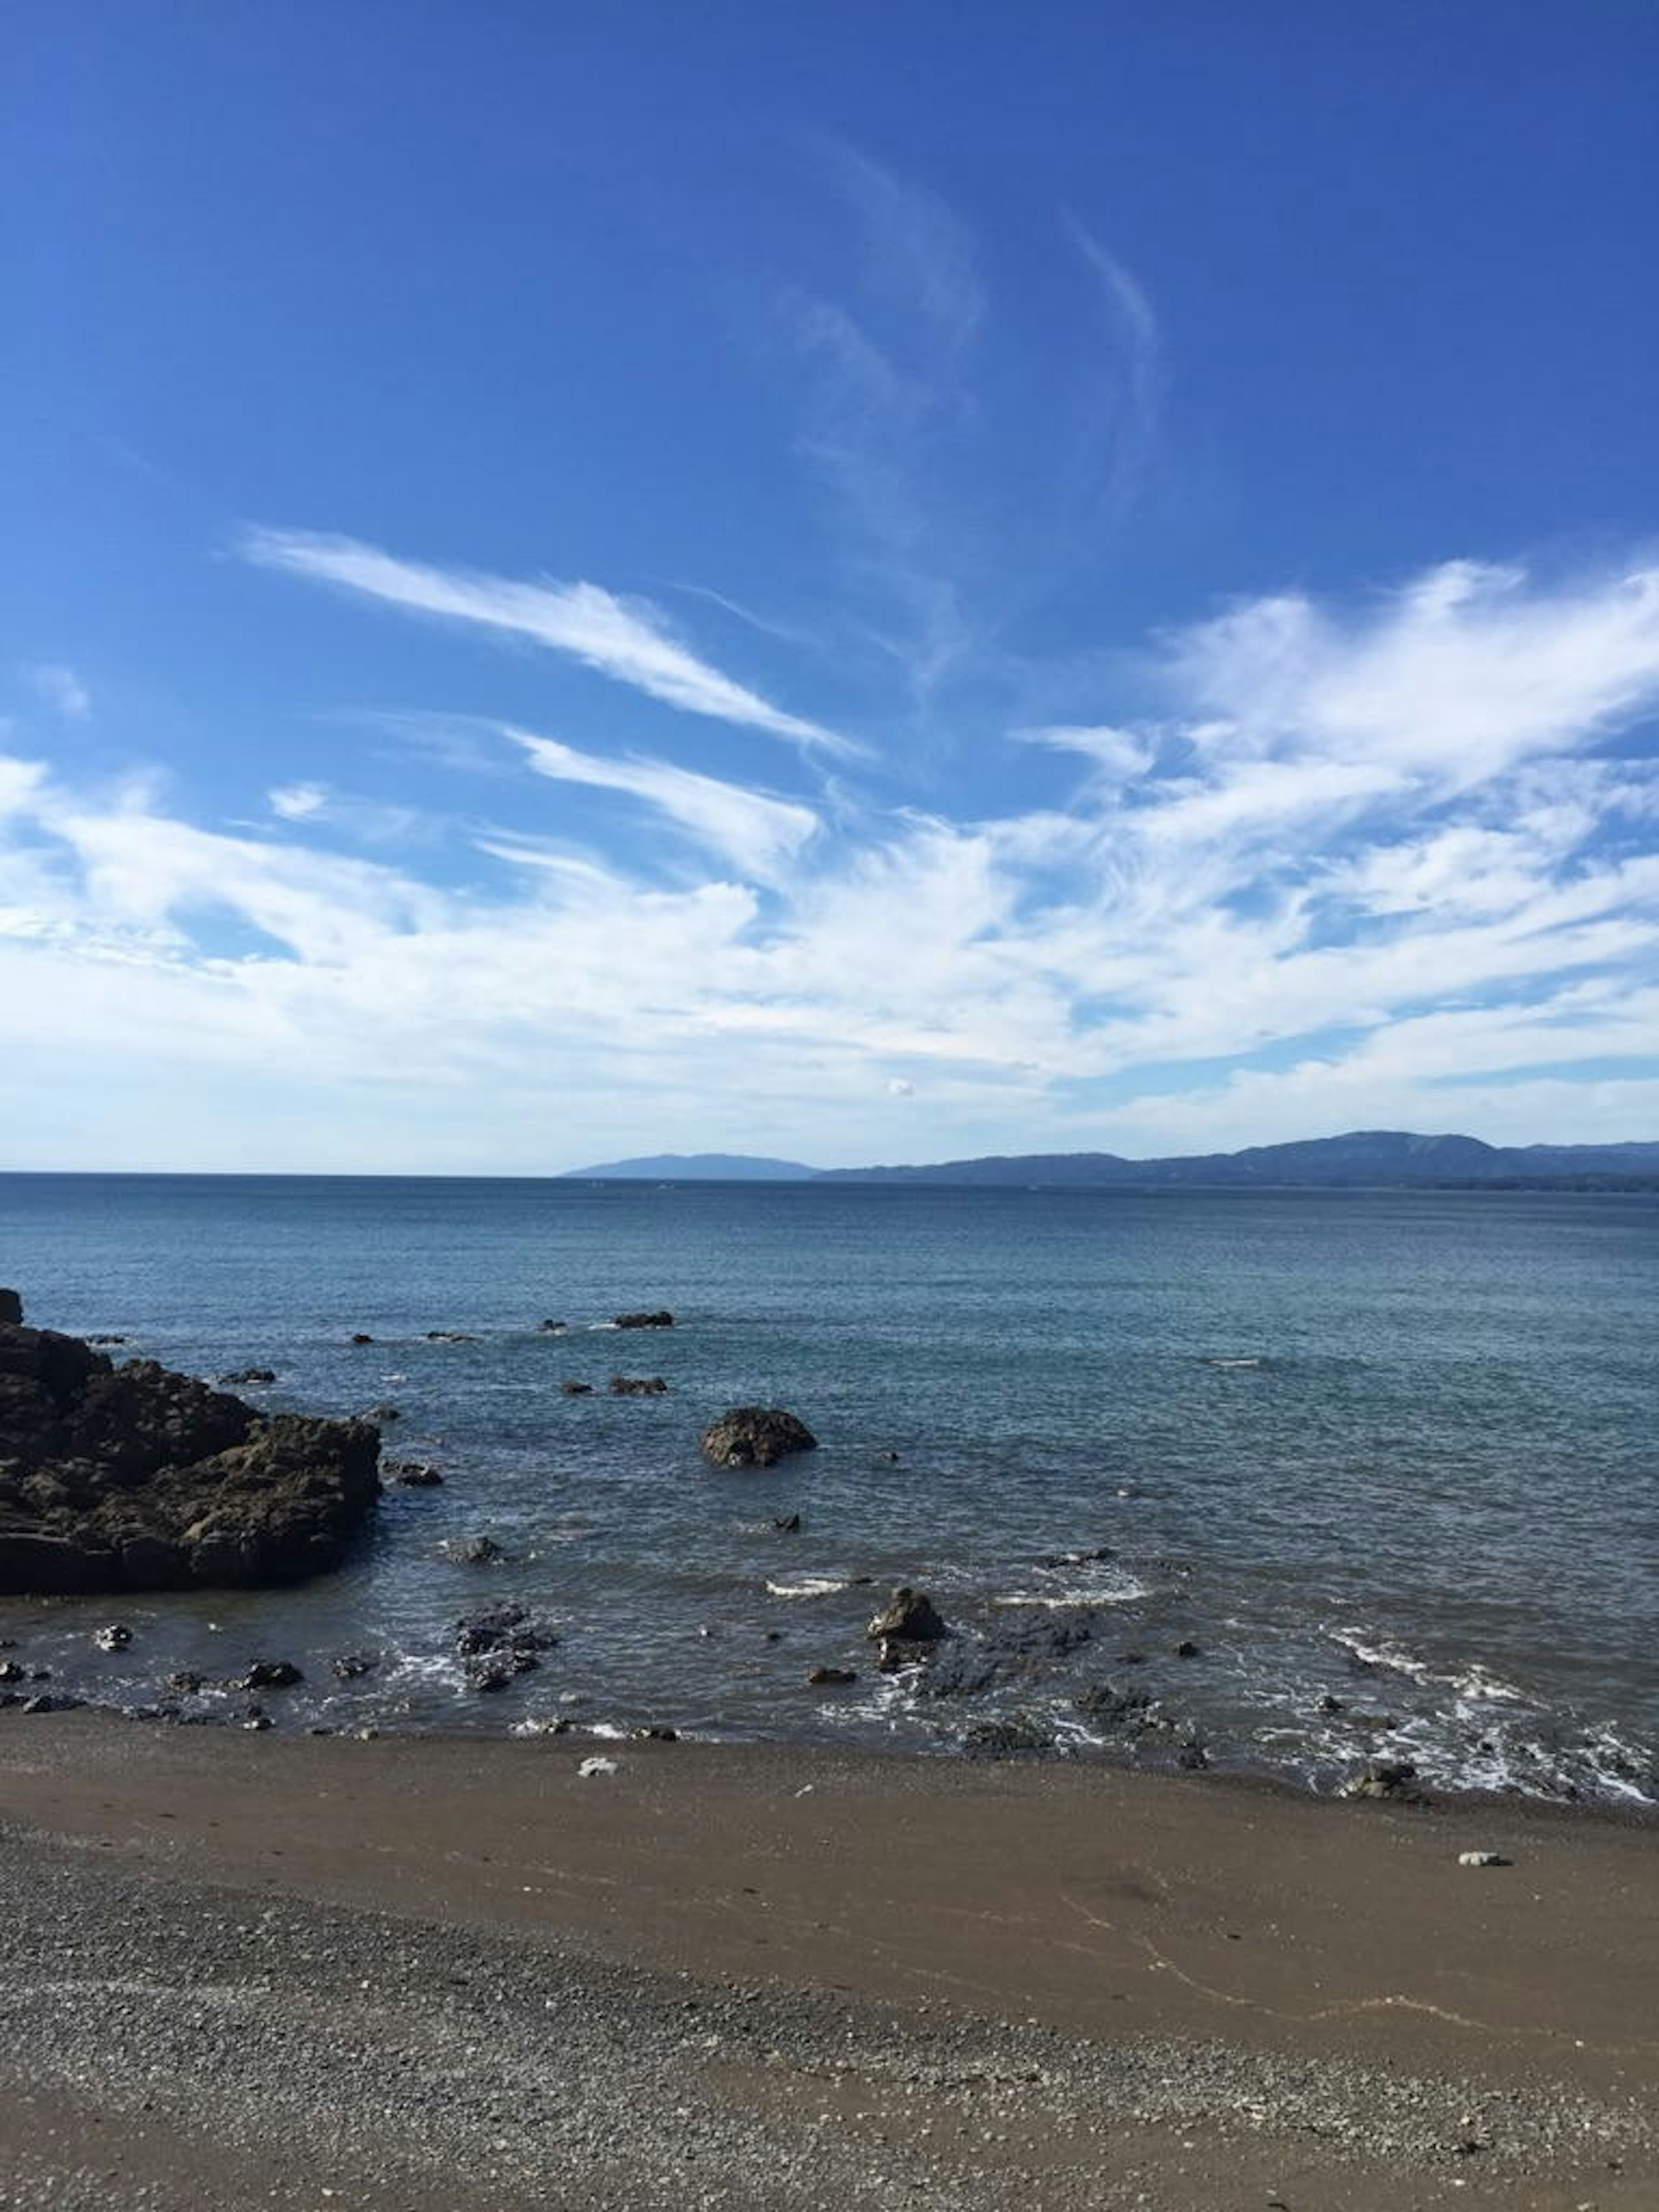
(754, 1435)
(135, 1478)
(496, 1646)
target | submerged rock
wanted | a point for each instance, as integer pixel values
(1019, 1733)
(829, 1678)
(577, 1389)
(115, 1637)
(501, 1628)
(1387, 1777)
(135, 1478)
(449, 1336)
(643, 1320)
(270, 1674)
(350, 1665)
(1107, 1707)
(413, 1474)
(755, 1435)
(637, 1386)
(1027, 1643)
(358, 1336)
(241, 1376)
(474, 1551)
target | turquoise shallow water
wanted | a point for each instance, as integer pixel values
(1396, 1449)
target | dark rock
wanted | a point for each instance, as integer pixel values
(104, 1340)
(1027, 1643)
(185, 1682)
(52, 1705)
(637, 1386)
(239, 1376)
(386, 1412)
(1132, 1658)
(493, 1670)
(412, 1473)
(11, 1310)
(1107, 1707)
(501, 1629)
(134, 1478)
(829, 1678)
(754, 1435)
(907, 1617)
(655, 1734)
(350, 1665)
(551, 1328)
(1193, 1757)
(449, 1336)
(644, 1320)
(790, 1524)
(115, 1637)
(1187, 1649)
(1019, 1733)
(359, 1337)
(577, 1389)
(1387, 1777)
(1330, 1704)
(11, 1671)
(270, 1674)
(256, 1721)
(474, 1551)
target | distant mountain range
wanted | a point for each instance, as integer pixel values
(698, 1167)
(1363, 1157)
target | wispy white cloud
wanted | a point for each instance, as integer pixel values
(62, 690)
(375, 821)
(1465, 673)
(760, 834)
(919, 250)
(1124, 376)
(626, 639)
(1255, 916)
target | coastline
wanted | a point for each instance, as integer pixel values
(1239, 1957)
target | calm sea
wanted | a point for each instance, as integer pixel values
(1397, 1451)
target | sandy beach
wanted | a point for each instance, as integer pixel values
(414, 1971)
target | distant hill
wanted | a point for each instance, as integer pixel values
(1363, 1157)
(697, 1167)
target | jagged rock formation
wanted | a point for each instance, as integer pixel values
(754, 1435)
(135, 1478)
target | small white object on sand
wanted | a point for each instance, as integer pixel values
(1483, 1859)
(590, 1767)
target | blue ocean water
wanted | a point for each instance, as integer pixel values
(1394, 1451)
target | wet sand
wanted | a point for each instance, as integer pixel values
(918, 1981)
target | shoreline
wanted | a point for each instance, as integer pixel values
(579, 1738)
(1145, 1921)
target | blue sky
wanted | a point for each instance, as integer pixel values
(859, 582)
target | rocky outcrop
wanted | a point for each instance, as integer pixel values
(135, 1478)
(642, 1320)
(11, 1310)
(907, 1617)
(637, 1386)
(754, 1435)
